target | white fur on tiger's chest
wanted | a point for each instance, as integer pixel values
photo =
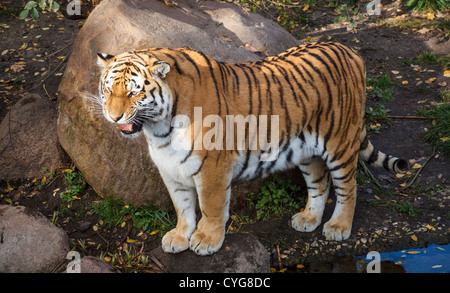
(172, 155)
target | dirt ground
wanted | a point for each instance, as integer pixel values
(33, 58)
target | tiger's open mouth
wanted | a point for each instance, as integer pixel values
(130, 128)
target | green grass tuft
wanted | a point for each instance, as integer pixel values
(433, 5)
(146, 217)
(438, 133)
(276, 199)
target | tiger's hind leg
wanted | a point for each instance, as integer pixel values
(343, 175)
(317, 177)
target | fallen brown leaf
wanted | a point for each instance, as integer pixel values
(430, 80)
(17, 67)
(225, 38)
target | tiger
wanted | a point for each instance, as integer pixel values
(316, 93)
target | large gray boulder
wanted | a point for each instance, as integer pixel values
(29, 242)
(240, 253)
(120, 167)
(29, 141)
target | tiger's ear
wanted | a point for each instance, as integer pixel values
(103, 60)
(160, 69)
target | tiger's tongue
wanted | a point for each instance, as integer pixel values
(126, 127)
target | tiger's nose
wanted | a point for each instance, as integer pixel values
(115, 118)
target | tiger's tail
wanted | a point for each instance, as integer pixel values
(374, 157)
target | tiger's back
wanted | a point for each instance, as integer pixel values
(315, 94)
(317, 91)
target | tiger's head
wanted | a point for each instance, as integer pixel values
(133, 90)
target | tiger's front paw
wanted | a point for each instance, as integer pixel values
(173, 242)
(305, 221)
(203, 243)
(336, 230)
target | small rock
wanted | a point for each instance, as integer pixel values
(84, 226)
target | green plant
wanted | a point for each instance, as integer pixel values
(18, 82)
(129, 260)
(445, 96)
(31, 8)
(48, 179)
(380, 87)
(428, 58)
(444, 61)
(60, 212)
(433, 5)
(75, 184)
(145, 217)
(407, 208)
(238, 221)
(362, 176)
(441, 24)
(110, 210)
(291, 17)
(6, 11)
(150, 218)
(289, 13)
(408, 61)
(422, 190)
(276, 199)
(376, 116)
(438, 133)
(349, 11)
